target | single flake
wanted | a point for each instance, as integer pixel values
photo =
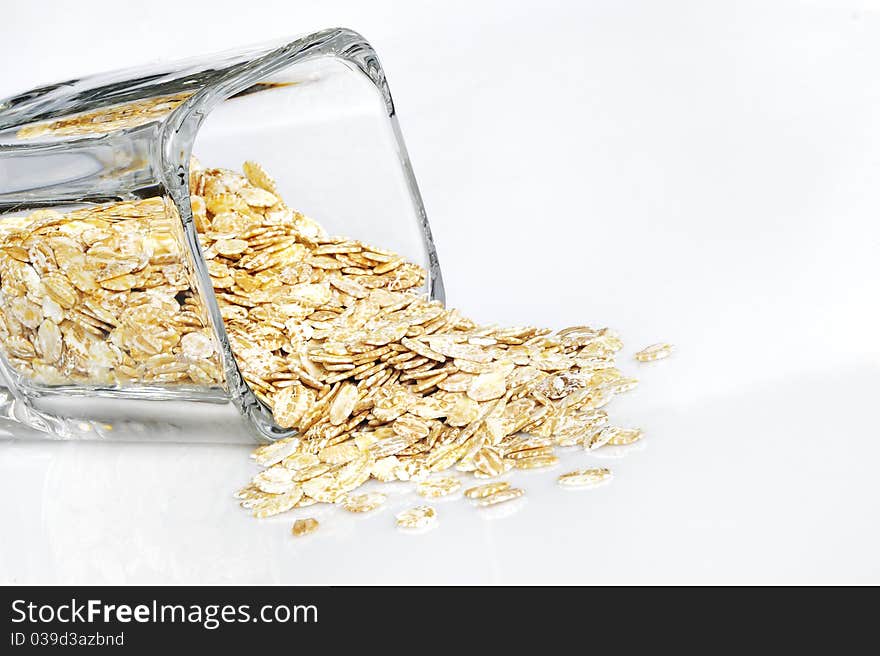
(654, 352)
(585, 477)
(305, 526)
(418, 517)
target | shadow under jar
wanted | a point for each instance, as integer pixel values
(110, 326)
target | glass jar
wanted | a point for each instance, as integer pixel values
(110, 325)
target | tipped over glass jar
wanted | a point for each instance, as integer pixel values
(140, 292)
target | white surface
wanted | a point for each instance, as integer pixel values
(706, 173)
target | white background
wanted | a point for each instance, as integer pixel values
(706, 173)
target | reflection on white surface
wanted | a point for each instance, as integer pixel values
(782, 490)
(686, 172)
(502, 510)
(618, 452)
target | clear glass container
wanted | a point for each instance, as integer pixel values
(110, 325)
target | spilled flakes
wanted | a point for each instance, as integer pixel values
(334, 336)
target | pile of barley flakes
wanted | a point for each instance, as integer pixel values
(334, 335)
(381, 383)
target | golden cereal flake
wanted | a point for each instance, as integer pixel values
(248, 492)
(463, 411)
(343, 404)
(29, 314)
(275, 480)
(602, 437)
(389, 403)
(324, 488)
(452, 349)
(530, 453)
(48, 343)
(342, 453)
(422, 349)
(311, 471)
(197, 345)
(256, 197)
(507, 465)
(356, 472)
(536, 462)
(487, 386)
(385, 469)
(482, 491)
(443, 457)
(299, 460)
(431, 407)
(585, 477)
(290, 405)
(310, 294)
(258, 176)
(489, 462)
(119, 283)
(411, 427)
(433, 488)
(507, 494)
(361, 503)
(269, 454)
(305, 526)
(348, 286)
(626, 436)
(457, 382)
(60, 290)
(276, 504)
(654, 352)
(386, 267)
(417, 517)
(230, 247)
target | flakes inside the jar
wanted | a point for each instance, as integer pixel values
(111, 281)
(197, 345)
